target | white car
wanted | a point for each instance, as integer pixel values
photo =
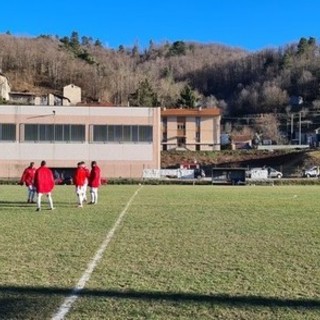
(311, 172)
(273, 173)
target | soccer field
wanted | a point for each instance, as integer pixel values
(162, 252)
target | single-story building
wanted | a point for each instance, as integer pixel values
(123, 140)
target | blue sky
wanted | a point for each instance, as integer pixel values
(248, 24)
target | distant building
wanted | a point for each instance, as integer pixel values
(243, 141)
(192, 129)
(124, 141)
(4, 87)
(57, 100)
(27, 98)
(72, 93)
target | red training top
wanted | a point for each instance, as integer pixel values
(43, 180)
(28, 176)
(80, 177)
(95, 177)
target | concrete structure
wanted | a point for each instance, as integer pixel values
(56, 100)
(27, 98)
(4, 87)
(242, 141)
(192, 129)
(123, 141)
(73, 93)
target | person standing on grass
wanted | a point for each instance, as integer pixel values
(94, 182)
(27, 178)
(44, 184)
(79, 180)
(85, 182)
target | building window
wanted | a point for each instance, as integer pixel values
(145, 133)
(54, 133)
(7, 132)
(165, 123)
(181, 126)
(165, 137)
(181, 141)
(122, 133)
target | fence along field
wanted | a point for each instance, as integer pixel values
(187, 252)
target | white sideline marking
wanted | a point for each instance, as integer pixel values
(68, 302)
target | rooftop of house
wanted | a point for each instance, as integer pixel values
(241, 138)
(196, 112)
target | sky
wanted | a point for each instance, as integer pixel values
(252, 25)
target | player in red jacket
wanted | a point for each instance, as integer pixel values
(85, 182)
(80, 178)
(94, 182)
(27, 178)
(44, 184)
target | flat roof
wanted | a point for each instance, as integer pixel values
(196, 112)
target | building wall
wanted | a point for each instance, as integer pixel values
(115, 159)
(210, 134)
(4, 88)
(73, 93)
(172, 132)
(209, 128)
(191, 133)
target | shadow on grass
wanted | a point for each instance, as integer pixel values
(23, 204)
(15, 204)
(21, 302)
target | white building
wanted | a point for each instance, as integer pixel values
(4, 87)
(123, 140)
(72, 93)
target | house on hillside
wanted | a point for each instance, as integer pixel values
(191, 129)
(243, 141)
(56, 100)
(71, 96)
(4, 87)
(22, 97)
(72, 93)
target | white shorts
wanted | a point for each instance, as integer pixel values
(80, 190)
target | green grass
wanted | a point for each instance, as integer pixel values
(181, 252)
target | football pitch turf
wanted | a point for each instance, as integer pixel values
(162, 252)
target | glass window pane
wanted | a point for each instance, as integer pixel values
(127, 133)
(46, 132)
(66, 132)
(99, 133)
(31, 132)
(145, 133)
(77, 133)
(135, 134)
(111, 133)
(118, 133)
(8, 132)
(58, 132)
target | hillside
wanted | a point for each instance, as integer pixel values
(237, 81)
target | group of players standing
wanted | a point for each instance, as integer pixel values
(41, 181)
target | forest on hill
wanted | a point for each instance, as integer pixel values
(167, 74)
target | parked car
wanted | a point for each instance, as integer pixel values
(311, 172)
(273, 173)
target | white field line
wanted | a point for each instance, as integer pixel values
(74, 294)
